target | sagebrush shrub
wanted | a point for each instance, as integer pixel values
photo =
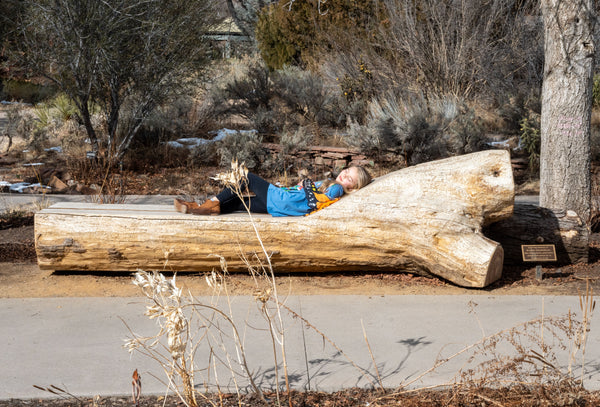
(297, 140)
(465, 48)
(365, 137)
(244, 147)
(247, 91)
(416, 128)
(291, 141)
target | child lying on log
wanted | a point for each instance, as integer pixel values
(309, 197)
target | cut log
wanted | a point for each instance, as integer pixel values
(425, 219)
(533, 225)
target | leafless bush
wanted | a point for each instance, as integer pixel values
(463, 48)
(19, 126)
(274, 100)
(199, 117)
(357, 77)
(304, 94)
(184, 117)
(472, 50)
(247, 92)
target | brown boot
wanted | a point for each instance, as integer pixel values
(209, 207)
(184, 206)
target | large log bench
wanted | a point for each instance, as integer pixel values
(425, 219)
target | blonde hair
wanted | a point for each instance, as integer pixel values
(326, 184)
(363, 178)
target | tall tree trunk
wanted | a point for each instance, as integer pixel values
(566, 105)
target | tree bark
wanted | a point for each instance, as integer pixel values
(566, 105)
(425, 219)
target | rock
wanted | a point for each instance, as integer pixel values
(56, 184)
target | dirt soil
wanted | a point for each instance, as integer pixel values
(519, 396)
(20, 277)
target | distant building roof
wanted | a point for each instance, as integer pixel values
(226, 27)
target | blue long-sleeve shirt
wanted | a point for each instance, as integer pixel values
(284, 202)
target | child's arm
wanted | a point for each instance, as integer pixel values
(334, 191)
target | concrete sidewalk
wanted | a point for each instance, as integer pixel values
(77, 343)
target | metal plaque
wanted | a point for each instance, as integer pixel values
(538, 252)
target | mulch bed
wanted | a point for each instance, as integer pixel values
(18, 252)
(16, 220)
(17, 242)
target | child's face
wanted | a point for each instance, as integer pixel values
(348, 178)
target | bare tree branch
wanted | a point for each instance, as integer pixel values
(125, 57)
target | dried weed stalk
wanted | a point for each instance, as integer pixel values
(261, 270)
(186, 323)
(167, 307)
(526, 356)
(112, 190)
(587, 304)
